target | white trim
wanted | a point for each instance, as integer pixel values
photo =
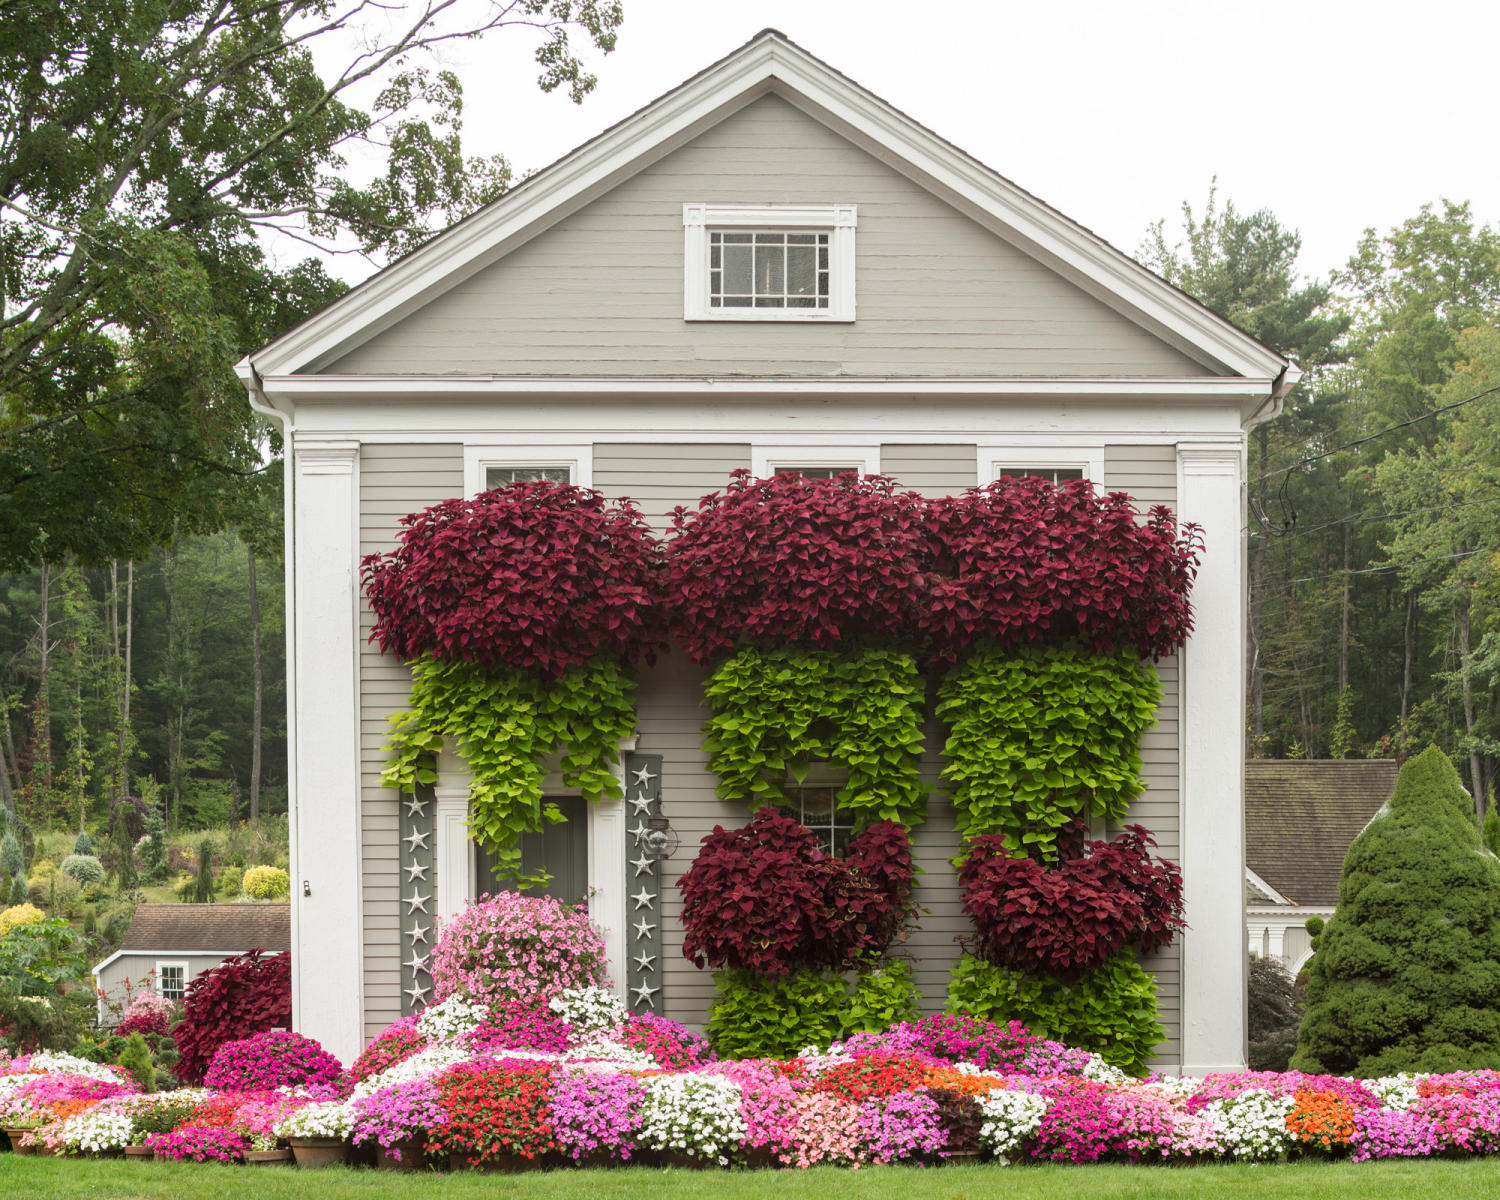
(607, 882)
(1265, 889)
(156, 970)
(1165, 389)
(328, 956)
(520, 452)
(1210, 492)
(767, 64)
(1085, 454)
(839, 221)
(452, 854)
(862, 456)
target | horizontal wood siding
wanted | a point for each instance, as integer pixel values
(601, 291)
(137, 967)
(393, 480)
(1149, 474)
(660, 477)
(931, 470)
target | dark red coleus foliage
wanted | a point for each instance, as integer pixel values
(765, 897)
(815, 563)
(1028, 560)
(536, 576)
(242, 996)
(1069, 918)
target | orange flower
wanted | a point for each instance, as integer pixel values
(1321, 1119)
(957, 1081)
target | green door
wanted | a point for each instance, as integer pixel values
(562, 850)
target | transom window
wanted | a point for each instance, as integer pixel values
(767, 270)
(499, 476)
(768, 262)
(171, 980)
(811, 472)
(817, 808)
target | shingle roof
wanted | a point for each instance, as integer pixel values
(192, 928)
(1301, 816)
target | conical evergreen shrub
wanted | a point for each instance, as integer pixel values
(1407, 972)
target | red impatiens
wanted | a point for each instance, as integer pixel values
(537, 576)
(1070, 918)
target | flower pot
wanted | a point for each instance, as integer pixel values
(412, 1158)
(267, 1158)
(140, 1153)
(316, 1153)
(15, 1135)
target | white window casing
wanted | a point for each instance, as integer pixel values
(480, 457)
(767, 458)
(995, 457)
(838, 221)
(171, 978)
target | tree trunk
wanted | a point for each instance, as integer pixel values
(176, 710)
(1408, 636)
(7, 791)
(41, 725)
(122, 779)
(1476, 772)
(257, 691)
(1344, 615)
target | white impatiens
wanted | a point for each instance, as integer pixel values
(1397, 1092)
(57, 1061)
(98, 1131)
(1009, 1119)
(1253, 1124)
(589, 1010)
(324, 1119)
(696, 1115)
(451, 1019)
(1104, 1072)
(431, 1061)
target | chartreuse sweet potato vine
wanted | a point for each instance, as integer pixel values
(777, 711)
(1041, 735)
(505, 722)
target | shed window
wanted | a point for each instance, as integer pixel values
(171, 980)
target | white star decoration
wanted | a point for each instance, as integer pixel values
(645, 962)
(643, 928)
(642, 804)
(416, 807)
(644, 777)
(644, 993)
(415, 901)
(416, 933)
(643, 899)
(643, 865)
(418, 840)
(417, 993)
(417, 962)
(639, 832)
(416, 871)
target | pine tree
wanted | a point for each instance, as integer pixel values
(123, 847)
(83, 844)
(154, 852)
(11, 861)
(1407, 972)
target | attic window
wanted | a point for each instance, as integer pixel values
(768, 262)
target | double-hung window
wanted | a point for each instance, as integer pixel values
(768, 262)
(171, 980)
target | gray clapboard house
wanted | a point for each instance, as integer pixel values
(955, 327)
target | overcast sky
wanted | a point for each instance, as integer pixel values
(1335, 114)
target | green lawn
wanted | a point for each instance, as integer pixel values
(67, 1179)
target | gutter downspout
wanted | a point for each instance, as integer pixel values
(255, 387)
(1280, 387)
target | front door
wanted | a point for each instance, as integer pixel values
(561, 849)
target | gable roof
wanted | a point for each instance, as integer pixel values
(770, 64)
(1302, 815)
(201, 928)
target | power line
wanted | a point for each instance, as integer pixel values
(1366, 518)
(1387, 567)
(1370, 437)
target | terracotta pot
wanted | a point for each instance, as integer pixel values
(267, 1158)
(316, 1153)
(140, 1153)
(15, 1135)
(412, 1158)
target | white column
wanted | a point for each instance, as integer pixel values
(1209, 492)
(452, 856)
(607, 872)
(328, 963)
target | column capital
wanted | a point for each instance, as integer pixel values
(325, 456)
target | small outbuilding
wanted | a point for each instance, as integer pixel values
(1301, 817)
(172, 944)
